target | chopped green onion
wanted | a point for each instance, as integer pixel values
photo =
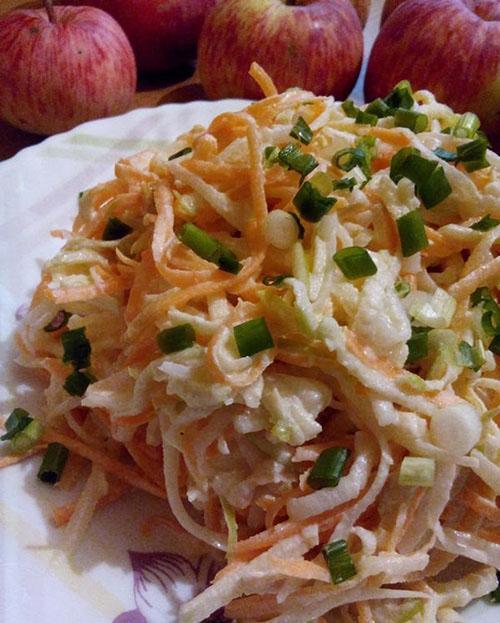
(471, 357)
(402, 164)
(339, 561)
(473, 155)
(418, 344)
(311, 204)
(27, 438)
(275, 280)
(355, 262)
(15, 423)
(180, 153)
(401, 96)
(209, 248)
(402, 288)
(359, 156)
(252, 337)
(494, 346)
(346, 183)
(350, 109)
(291, 157)
(467, 126)
(76, 347)
(480, 295)
(53, 463)
(485, 224)
(415, 121)
(379, 108)
(412, 233)
(271, 155)
(490, 322)
(59, 321)
(435, 189)
(77, 382)
(444, 154)
(80, 194)
(417, 471)
(328, 468)
(302, 132)
(366, 118)
(115, 229)
(322, 182)
(176, 338)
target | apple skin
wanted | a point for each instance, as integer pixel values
(55, 75)
(317, 46)
(362, 9)
(451, 47)
(163, 33)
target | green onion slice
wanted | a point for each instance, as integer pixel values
(302, 132)
(415, 121)
(311, 204)
(271, 155)
(322, 182)
(180, 153)
(480, 295)
(15, 423)
(379, 108)
(485, 224)
(346, 183)
(209, 248)
(339, 561)
(77, 382)
(473, 155)
(349, 108)
(359, 156)
(467, 126)
(355, 262)
(76, 347)
(53, 463)
(275, 280)
(59, 321)
(291, 157)
(366, 118)
(175, 339)
(328, 468)
(494, 346)
(115, 229)
(402, 288)
(404, 164)
(490, 322)
(252, 337)
(401, 96)
(471, 357)
(418, 344)
(27, 438)
(416, 471)
(412, 233)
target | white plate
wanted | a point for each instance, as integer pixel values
(38, 191)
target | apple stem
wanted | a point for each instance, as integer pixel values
(50, 11)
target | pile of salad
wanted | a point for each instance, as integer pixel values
(287, 326)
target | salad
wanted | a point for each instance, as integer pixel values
(287, 326)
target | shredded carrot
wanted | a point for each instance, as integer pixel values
(107, 463)
(392, 136)
(263, 79)
(135, 420)
(13, 459)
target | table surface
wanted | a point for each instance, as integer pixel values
(180, 86)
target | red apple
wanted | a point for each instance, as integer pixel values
(389, 7)
(62, 66)
(313, 44)
(362, 9)
(451, 47)
(163, 33)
